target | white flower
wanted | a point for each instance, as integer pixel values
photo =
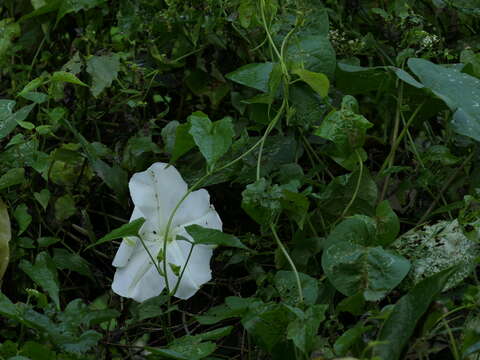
(155, 194)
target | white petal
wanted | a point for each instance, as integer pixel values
(128, 244)
(139, 279)
(195, 206)
(156, 191)
(125, 251)
(209, 220)
(197, 271)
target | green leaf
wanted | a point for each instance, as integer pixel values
(253, 75)
(129, 229)
(340, 190)
(401, 323)
(8, 119)
(12, 177)
(203, 235)
(70, 6)
(64, 207)
(212, 138)
(9, 30)
(247, 11)
(44, 274)
(23, 217)
(183, 141)
(317, 81)
(7, 308)
(43, 197)
(5, 236)
(148, 309)
(33, 85)
(345, 341)
(353, 264)
(261, 201)
(459, 91)
(311, 51)
(65, 260)
(103, 69)
(286, 284)
(303, 330)
(192, 347)
(388, 225)
(345, 128)
(267, 324)
(63, 76)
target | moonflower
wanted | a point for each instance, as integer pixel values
(155, 193)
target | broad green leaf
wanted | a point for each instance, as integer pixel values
(129, 229)
(247, 10)
(63, 76)
(286, 284)
(65, 260)
(148, 309)
(339, 192)
(212, 138)
(203, 235)
(5, 236)
(436, 247)
(103, 70)
(308, 106)
(12, 177)
(312, 52)
(345, 341)
(8, 119)
(399, 327)
(44, 274)
(267, 324)
(317, 81)
(23, 217)
(388, 225)
(183, 141)
(43, 197)
(374, 271)
(261, 201)
(33, 85)
(358, 229)
(253, 75)
(193, 347)
(459, 91)
(353, 79)
(9, 30)
(303, 330)
(346, 129)
(64, 207)
(7, 308)
(69, 6)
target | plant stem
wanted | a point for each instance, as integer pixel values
(290, 261)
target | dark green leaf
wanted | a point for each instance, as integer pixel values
(203, 235)
(286, 284)
(44, 274)
(12, 177)
(253, 75)
(401, 323)
(212, 138)
(103, 69)
(388, 225)
(129, 229)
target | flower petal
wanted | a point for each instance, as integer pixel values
(139, 279)
(128, 244)
(197, 271)
(156, 191)
(196, 209)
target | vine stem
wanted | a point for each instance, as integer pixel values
(290, 261)
(357, 187)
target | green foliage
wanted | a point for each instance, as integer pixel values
(338, 141)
